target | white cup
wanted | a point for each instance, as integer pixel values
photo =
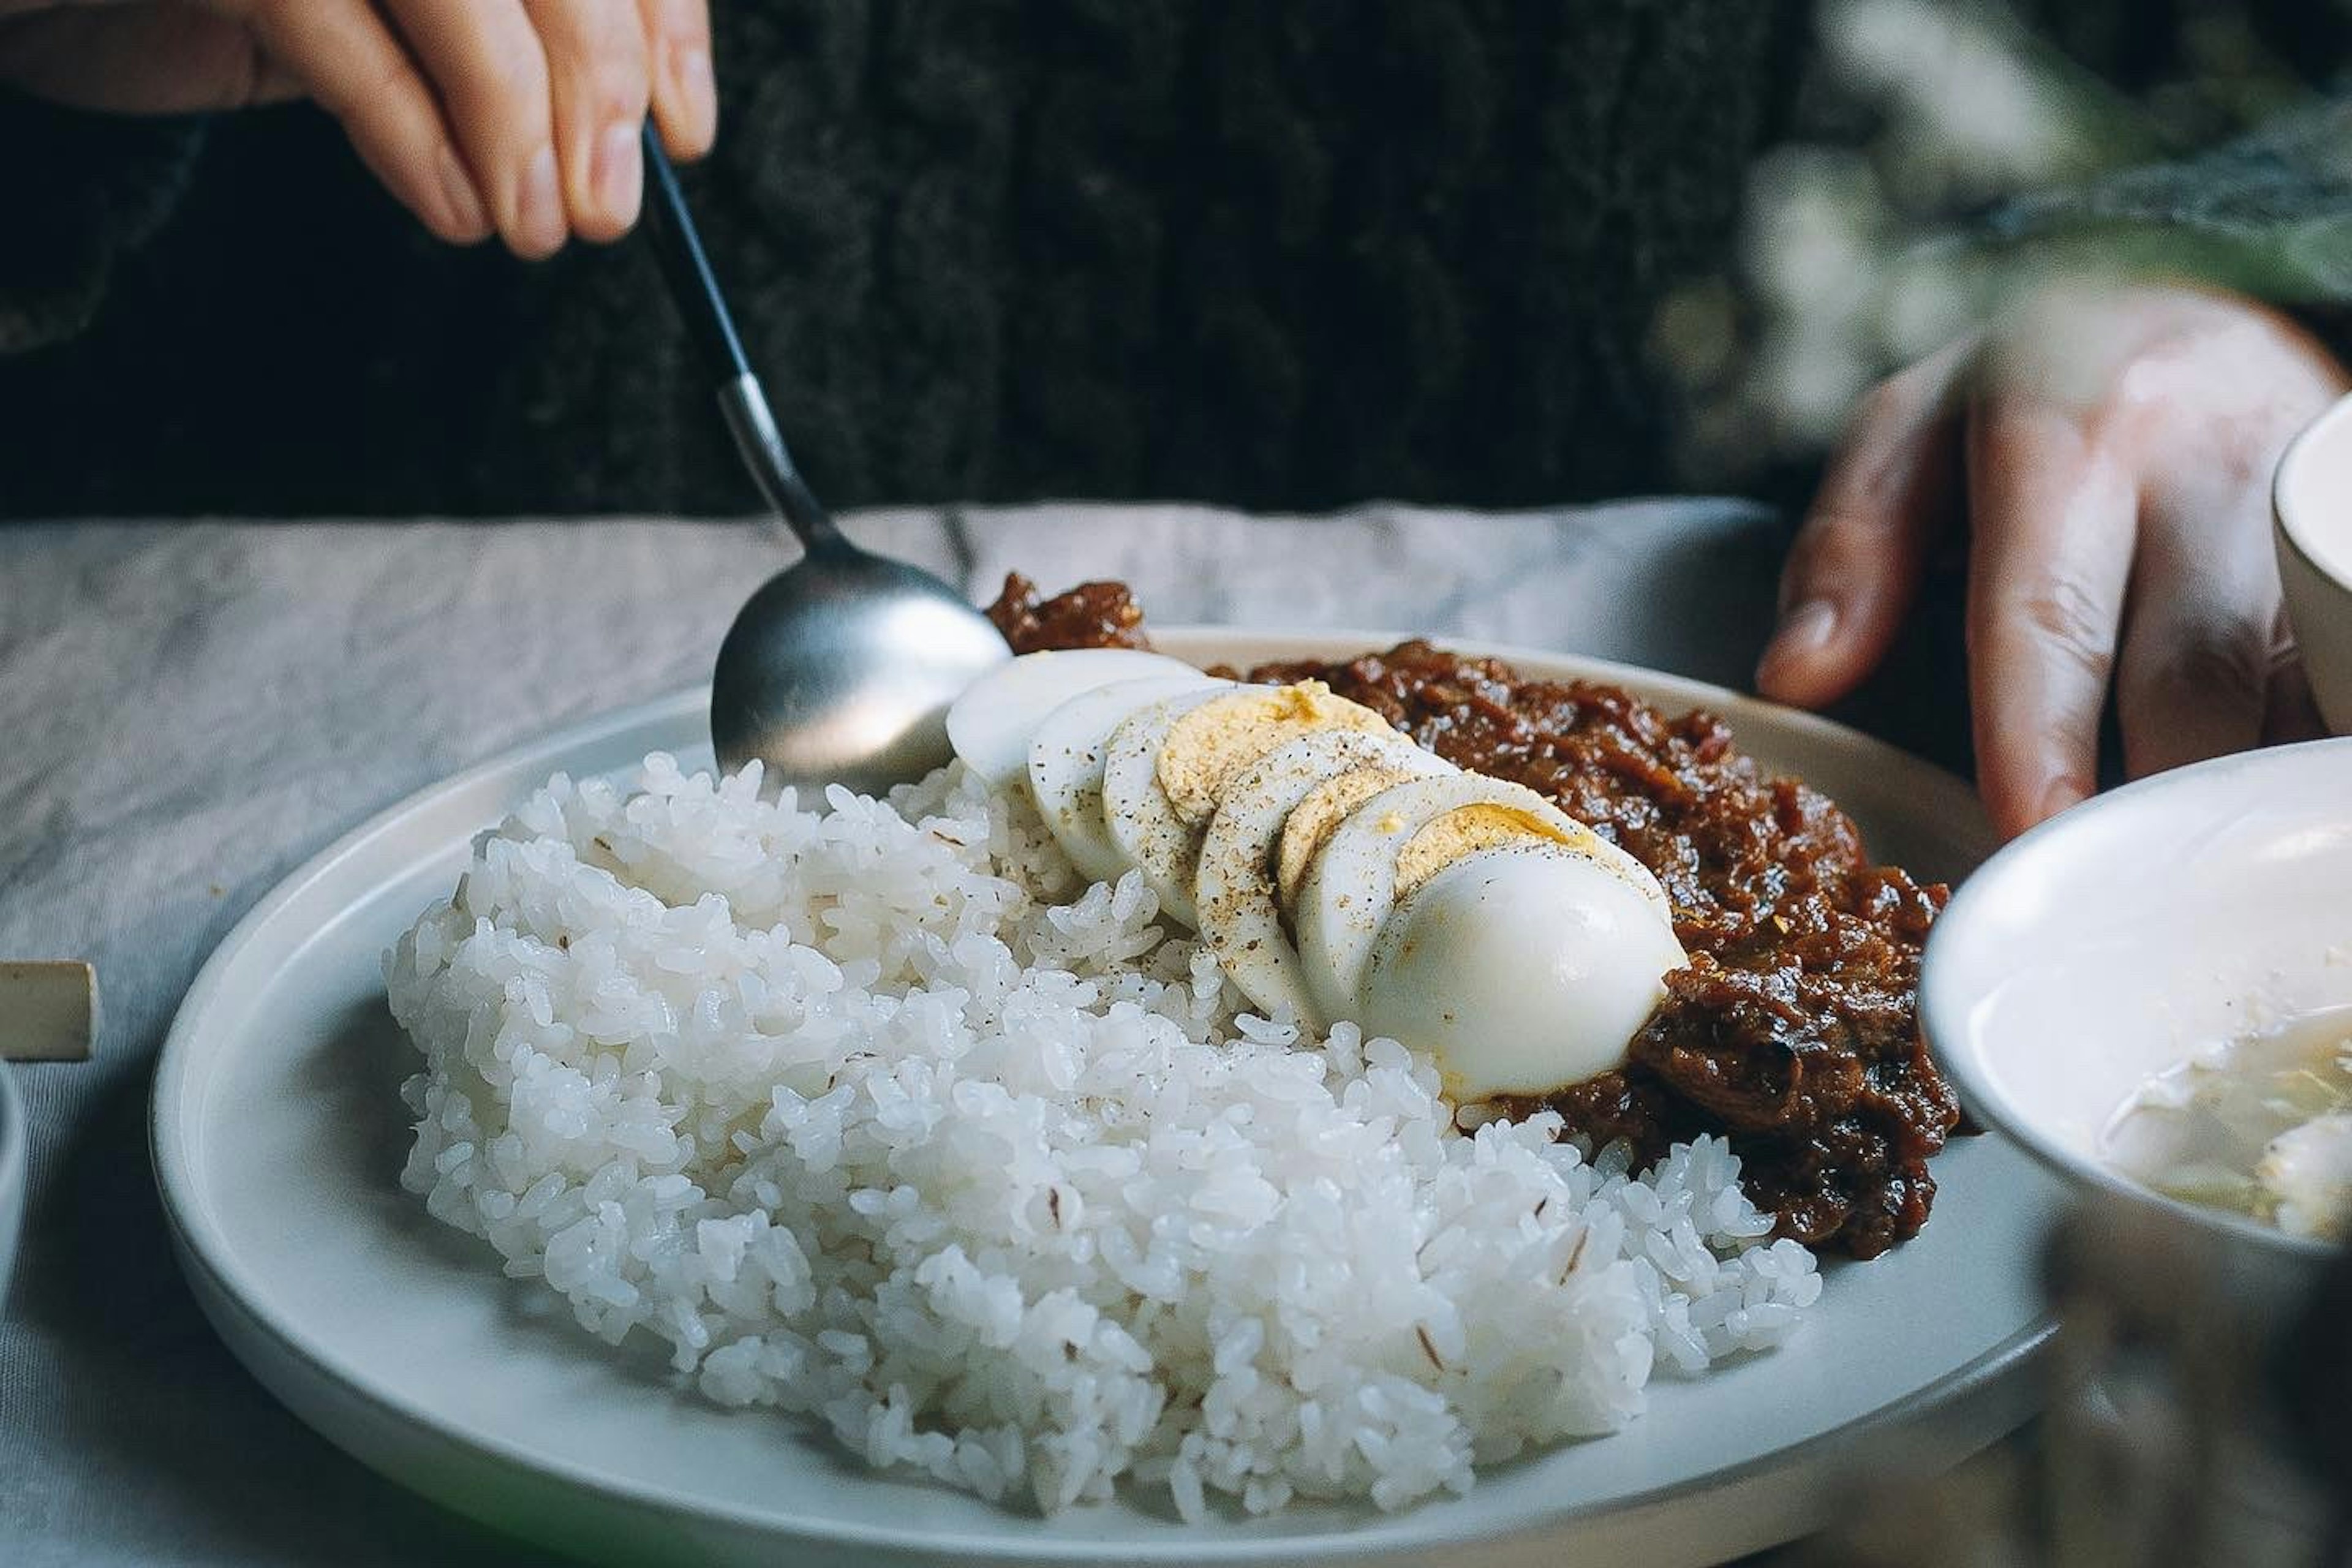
(2311, 503)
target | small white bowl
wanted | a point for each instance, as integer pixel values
(12, 1140)
(2311, 503)
(2124, 936)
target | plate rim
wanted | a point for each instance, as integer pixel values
(199, 1248)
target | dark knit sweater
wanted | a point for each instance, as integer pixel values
(1275, 255)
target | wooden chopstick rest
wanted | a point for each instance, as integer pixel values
(49, 1011)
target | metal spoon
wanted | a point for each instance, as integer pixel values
(841, 668)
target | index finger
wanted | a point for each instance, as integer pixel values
(2053, 518)
(685, 92)
(489, 71)
(1853, 569)
(358, 72)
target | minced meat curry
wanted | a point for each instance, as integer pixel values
(1794, 1030)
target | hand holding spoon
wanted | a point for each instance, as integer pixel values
(841, 668)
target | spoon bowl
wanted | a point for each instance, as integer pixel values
(841, 668)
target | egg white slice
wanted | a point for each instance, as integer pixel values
(1143, 827)
(1522, 969)
(1352, 884)
(993, 723)
(1234, 889)
(1065, 765)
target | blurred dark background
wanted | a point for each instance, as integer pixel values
(1270, 256)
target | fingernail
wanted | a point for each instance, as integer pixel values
(1806, 628)
(539, 225)
(464, 207)
(2064, 796)
(618, 179)
(697, 90)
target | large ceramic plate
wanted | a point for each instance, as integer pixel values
(279, 1138)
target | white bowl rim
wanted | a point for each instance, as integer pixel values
(2289, 473)
(1940, 998)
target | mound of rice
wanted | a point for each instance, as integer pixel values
(874, 1112)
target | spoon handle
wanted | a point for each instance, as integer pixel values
(695, 290)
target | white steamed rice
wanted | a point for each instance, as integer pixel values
(872, 1114)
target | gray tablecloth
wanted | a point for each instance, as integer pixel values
(188, 712)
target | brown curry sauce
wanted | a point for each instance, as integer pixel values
(1793, 1032)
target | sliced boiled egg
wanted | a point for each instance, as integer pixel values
(1170, 762)
(992, 724)
(1066, 757)
(1523, 968)
(1310, 823)
(1211, 744)
(1234, 889)
(1142, 828)
(1493, 824)
(1381, 850)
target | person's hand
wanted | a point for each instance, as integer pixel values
(515, 116)
(2110, 456)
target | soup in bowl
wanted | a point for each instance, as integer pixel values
(2158, 957)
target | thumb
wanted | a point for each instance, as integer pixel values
(138, 58)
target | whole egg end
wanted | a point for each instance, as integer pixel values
(1522, 971)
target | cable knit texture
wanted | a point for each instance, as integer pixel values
(80, 192)
(1275, 256)
(1270, 255)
